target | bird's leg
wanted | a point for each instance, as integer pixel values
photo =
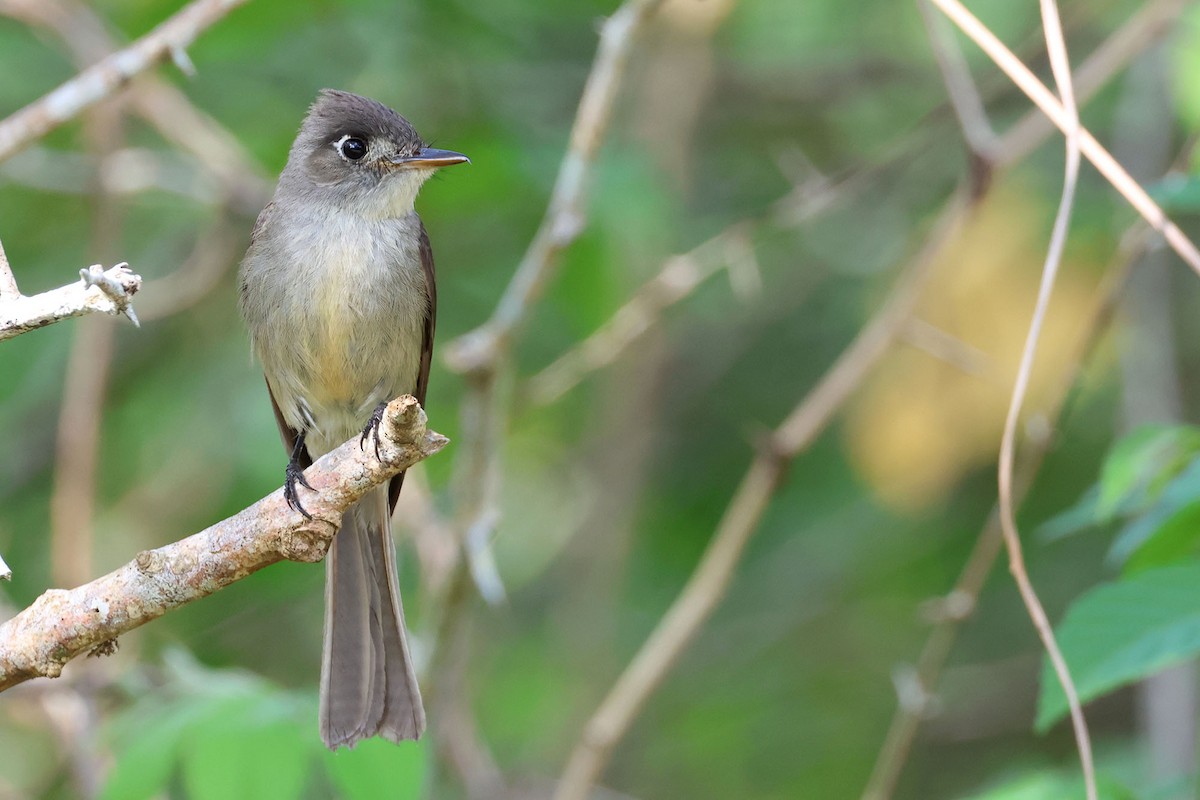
(372, 428)
(294, 474)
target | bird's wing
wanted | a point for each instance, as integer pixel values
(426, 344)
(287, 432)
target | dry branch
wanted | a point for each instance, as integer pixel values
(482, 354)
(98, 81)
(680, 275)
(107, 291)
(232, 175)
(712, 575)
(949, 611)
(62, 624)
(1091, 149)
(1062, 76)
(481, 349)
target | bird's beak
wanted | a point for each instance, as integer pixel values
(429, 158)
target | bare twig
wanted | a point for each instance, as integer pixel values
(964, 95)
(683, 273)
(1138, 33)
(8, 283)
(1012, 539)
(62, 624)
(712, 575)
(102, 79)
(161, 103)
(680, 275)
(481, 348)
(1044, 99)
(483, 353)
(93, 344)
(107, 291)
(948, 612)
(1151, 22)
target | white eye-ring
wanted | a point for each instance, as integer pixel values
(351, 148)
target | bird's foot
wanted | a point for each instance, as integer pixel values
(372, 429)
(293, 475)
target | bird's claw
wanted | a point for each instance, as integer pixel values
(294, 474)
(372, 429)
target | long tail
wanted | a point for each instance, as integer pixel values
(368, 687)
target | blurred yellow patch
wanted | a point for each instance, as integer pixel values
(935, 408)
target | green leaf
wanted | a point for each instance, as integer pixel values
(1180, 493)
(247, 747)
(1143, 462)
(1177, 539)
(1121, 632)
(358, 774)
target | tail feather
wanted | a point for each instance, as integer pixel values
(368, 685)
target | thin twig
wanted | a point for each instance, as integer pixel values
(565, 212)
(62, 624)
(8, 283)
(964, 95)
(1149, 24)
(1090, 148)
(77, 445)
(482, 354)
(813, 196)
(103, 78)
(1012, 540)
(107, 291)
(949, 611)
(708, 582)
(680, 275)
(159, 102)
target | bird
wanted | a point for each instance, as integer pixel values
(337, 289)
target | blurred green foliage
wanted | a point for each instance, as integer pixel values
(611, 493)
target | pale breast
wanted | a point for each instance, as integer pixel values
(337, 315)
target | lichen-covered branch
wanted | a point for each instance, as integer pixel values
(107, 291)
(62, 624)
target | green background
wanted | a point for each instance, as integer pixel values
(610, 493)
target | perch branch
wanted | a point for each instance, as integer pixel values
(107, 291)
(62, 624)
(100, 80)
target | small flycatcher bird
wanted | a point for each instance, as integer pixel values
(338, 291)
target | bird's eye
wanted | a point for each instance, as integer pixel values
(352, 148)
